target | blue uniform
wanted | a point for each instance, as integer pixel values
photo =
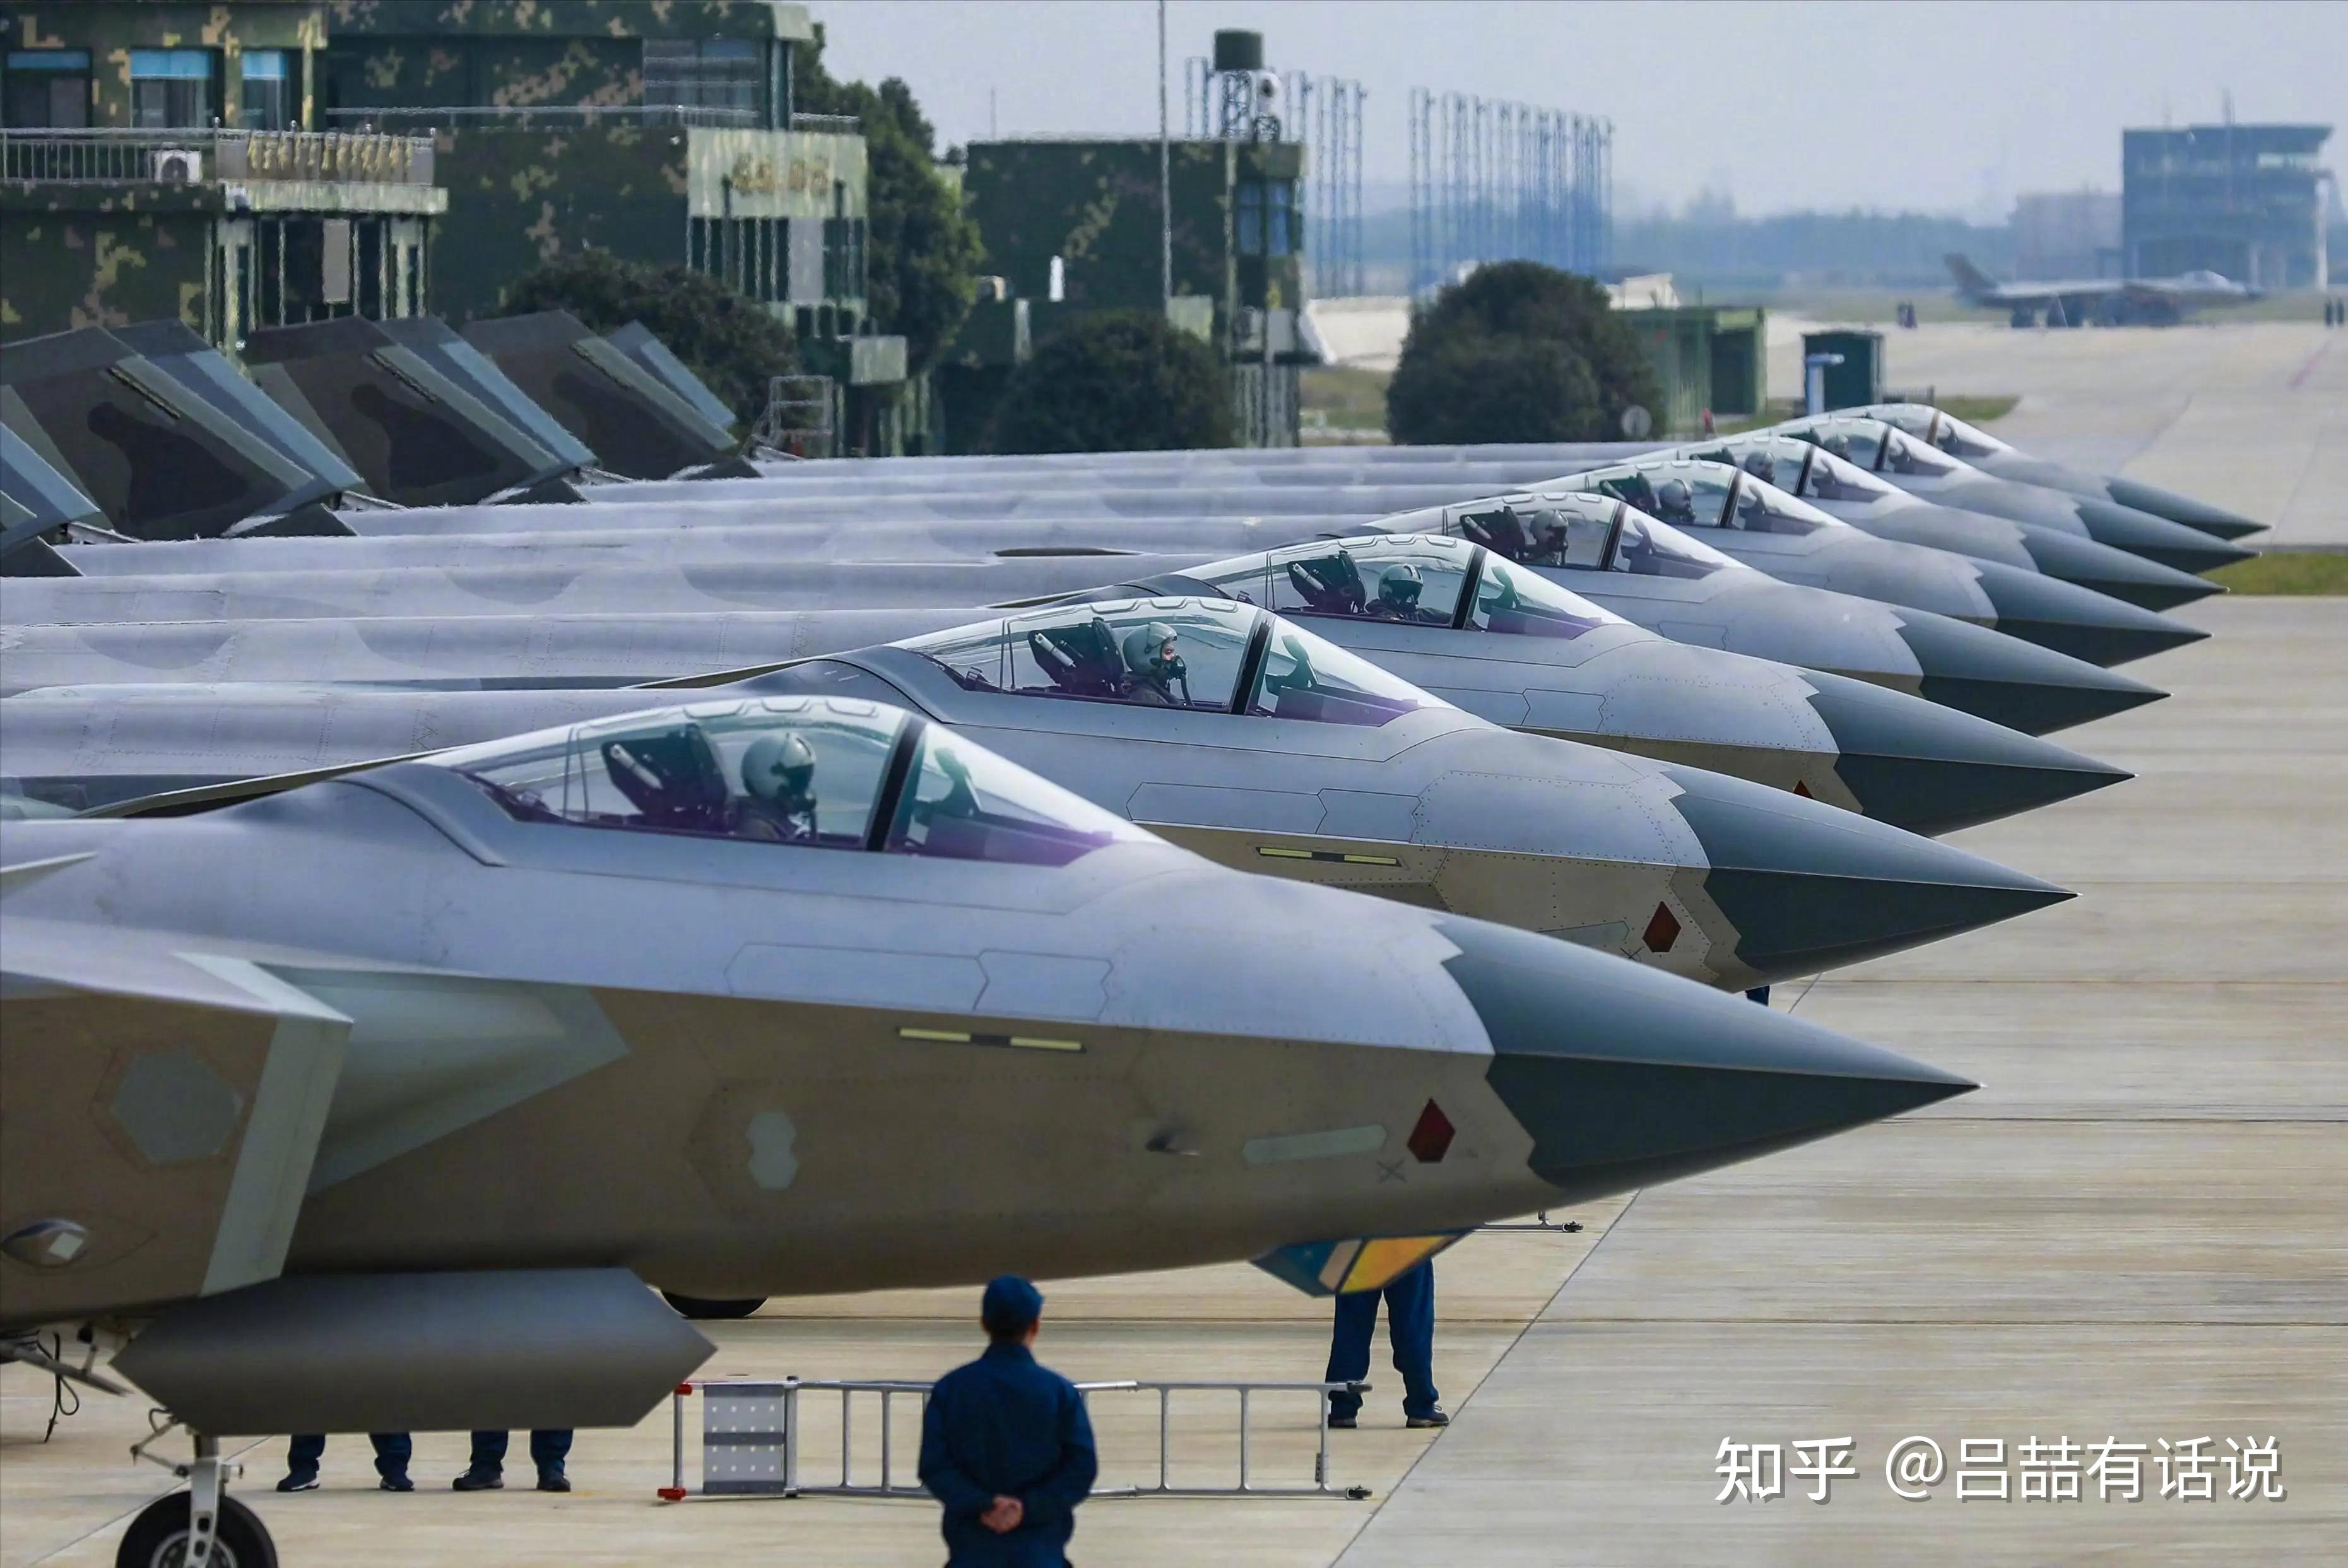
(1410, 1324)
(1006, 1427)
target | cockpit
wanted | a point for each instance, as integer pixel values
(1209, 655)
(1575, 530)
(1407, 579)
(1871, 444)
(1708, 491)
(1946, 431)
(1769, 477)
(821, 772)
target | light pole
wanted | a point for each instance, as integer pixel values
(1165, 178)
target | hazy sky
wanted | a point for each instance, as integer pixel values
(1951, 106)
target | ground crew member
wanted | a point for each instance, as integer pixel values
(1410, 1328)
(485, 1472)
(392, 1452)
(1005, 1444)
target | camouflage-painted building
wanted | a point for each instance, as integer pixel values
(1075, 226)
(157, 160)
(664, 132)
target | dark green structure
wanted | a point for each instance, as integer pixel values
(157, 162)
(1075, 226)
(1859, 379)
(663, 133)
(1708, 357)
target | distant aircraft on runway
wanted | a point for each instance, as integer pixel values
(2107, 302)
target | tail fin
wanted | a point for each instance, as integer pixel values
(1970, 278)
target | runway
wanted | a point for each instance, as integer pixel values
(2132, 1232)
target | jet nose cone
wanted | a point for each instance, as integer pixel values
(2114, 573)
(2156, 538)
(2215, 521)
(2078, 621)
(1624, 1077)
(2009, 682)
(1808, 887)
(1933, 769)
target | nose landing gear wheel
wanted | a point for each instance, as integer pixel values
(709, 1308)
(157, 1538)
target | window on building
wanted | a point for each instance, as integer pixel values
(269, 100)
(843, 258)
(1282, 230)
(171, 88)
(1250, 218)
(706, 73)
(47, 87)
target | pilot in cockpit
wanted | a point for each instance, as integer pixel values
(1398, 594)
(1155, 668)
(779, 773)
(1674, 502)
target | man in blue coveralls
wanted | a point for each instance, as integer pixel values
(1006, 1445)
(1410, 1326)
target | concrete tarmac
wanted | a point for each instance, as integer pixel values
(2251, 414)
(2133, 1231)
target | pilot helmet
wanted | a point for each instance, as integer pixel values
(1399, 588)
(1150, 651)
(1673, 497)
(1757, 465)
(779, 768)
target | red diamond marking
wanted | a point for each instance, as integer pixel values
(1803, 790)
(1431, 1138)
(1663, 929)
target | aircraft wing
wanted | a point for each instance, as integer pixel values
(160, 1109)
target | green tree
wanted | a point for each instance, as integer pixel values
(1114, 381)
(1481, 389)
(1591, 367)
(922, 252)
(726, 337)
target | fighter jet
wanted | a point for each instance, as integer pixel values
(1650, 573)
(835, 999)
(1496, 639)
(1923, 470)
(1843, 490)
(1800, 545)
(1751, 520)
(1665, 588)
(2108, 302)
(1971, 444)
(1233, 732)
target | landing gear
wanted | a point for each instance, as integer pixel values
(199, 1528)
(2021, 318)
(161, 1538)
(708, 1308)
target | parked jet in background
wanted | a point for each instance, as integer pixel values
(2106, 302)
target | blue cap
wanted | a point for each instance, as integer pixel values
(1009, 1303)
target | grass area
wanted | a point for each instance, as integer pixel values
(1342, 403)
(2287, 571)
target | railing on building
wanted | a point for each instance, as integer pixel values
(753, 1441)
(197, 154)
(574, 115)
